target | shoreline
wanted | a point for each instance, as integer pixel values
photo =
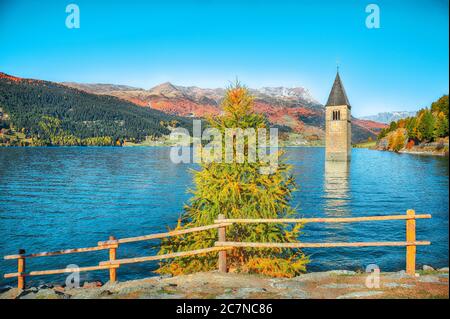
(334, 284)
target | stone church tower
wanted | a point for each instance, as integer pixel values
(338, 131)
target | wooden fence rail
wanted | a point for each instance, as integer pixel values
(221, 246)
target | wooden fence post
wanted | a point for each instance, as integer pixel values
(112, 256)
(21, 270)
(223, 253)
(411, 237)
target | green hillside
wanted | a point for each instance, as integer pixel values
(48, 113)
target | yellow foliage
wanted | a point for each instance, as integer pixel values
(276, 267)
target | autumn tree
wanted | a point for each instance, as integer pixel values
(238, 190)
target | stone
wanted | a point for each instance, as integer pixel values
(105, 293)
(342, 272)
(294, 294)
(5, 289)
(397, 275)
(341, 286)
(50, 294)
(429, 279)
(94, 284)
(360, 294)
(427, 268)
(287, 284)
(240, 293)
(397, 285)
(312, 276)
(59, 289)
(45, 286)
(27, 295)
(444, 269)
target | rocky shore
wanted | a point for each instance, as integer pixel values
(437, 148)
(337, 284)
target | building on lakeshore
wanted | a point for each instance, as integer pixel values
(338, 131)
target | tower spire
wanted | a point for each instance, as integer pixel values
(337, 95)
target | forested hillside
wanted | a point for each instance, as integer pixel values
(53, 114)
(429, 125)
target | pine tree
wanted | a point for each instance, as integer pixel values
(238, 190)
(426, 126)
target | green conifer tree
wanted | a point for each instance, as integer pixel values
(238, 190)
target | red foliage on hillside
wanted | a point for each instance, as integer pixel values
(373, 126)
(9, 77)
(182, 107)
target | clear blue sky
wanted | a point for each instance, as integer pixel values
(401, 66)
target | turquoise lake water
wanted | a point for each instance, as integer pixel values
(69, 197)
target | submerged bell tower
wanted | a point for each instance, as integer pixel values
(338, 130)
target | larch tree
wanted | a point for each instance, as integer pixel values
(239, 189)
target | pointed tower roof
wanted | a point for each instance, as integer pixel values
(337, 94)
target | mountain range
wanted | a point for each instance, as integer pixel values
(293, 109)
(388, 117)
(55, 114)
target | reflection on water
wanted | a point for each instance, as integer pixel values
(336, 199)
(336, 189)
(66, 197)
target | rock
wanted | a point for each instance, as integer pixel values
(240, 293)
(444, 269)
(94, 284)
(50, 294)
(5, 289)
(397, 275)
(27, 295)
(341, 286)
(397, 285)
(10, 294)
(360, 294)
(287, 284)
(429, 278)
(427, 268)
(294, 294)
(106, 293)
(45, 286)
(59, 289)
(312, 276)
(342, 272)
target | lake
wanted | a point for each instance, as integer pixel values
(70, 197)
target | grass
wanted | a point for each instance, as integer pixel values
(367, 144)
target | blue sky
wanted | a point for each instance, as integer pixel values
(403, 65)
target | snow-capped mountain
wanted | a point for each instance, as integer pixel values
(298, 93)
(388, 117)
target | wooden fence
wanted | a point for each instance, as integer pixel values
(221, 246)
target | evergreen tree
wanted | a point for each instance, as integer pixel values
(238, 190)
(393, 126)
(426, 126)
(441, 126)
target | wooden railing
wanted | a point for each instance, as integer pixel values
(221, 246)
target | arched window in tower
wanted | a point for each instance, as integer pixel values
(336, 115)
